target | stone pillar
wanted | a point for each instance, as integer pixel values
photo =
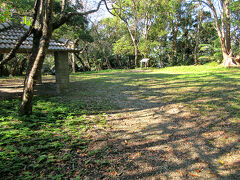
(62, 71)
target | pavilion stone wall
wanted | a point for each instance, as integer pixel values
(62, 71)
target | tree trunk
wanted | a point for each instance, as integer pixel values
(160, 61)
(129, 62)
(22, 66)
(184, 51)
(118, 61)
(169, 57)
(108, 63)
(73, 63)
(223, 30)
(38, 78)
(174, 34)
(136, 55)
(133, 33)
(14, 66)
(229, 60)
(135, 44)
(196, 49)
(26, 105)
(89, 64)
(85, 68)
(227, 26)
(37, 34)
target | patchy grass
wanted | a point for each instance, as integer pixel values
(46, 144)
(53, 143)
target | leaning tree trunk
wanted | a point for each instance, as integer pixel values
(37, 34)
(85, 68)
(26, 105)
(89, 64)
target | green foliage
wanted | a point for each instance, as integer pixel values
(5, 10)
(23, 6)
(211, 52)
(235, 9)
(26, 21)
(37, 145)
(145, 47)
(123, 46)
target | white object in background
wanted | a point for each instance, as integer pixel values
(145, 60)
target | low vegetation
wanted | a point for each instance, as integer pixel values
(53, 142)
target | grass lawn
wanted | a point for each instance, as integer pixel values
(169, 106)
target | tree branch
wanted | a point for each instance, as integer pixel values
(63, 6)
(203, 3)
(108, 8)
(66, 16)
(12, 53)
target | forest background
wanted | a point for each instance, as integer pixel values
(176, 32)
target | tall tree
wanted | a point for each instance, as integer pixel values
(222, 18)
(128, 12)
(198, 29)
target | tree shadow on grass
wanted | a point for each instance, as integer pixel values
(206, 149)
(48, 142)
(176, 152)
(172, 144)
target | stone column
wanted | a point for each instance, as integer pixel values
(62, 71)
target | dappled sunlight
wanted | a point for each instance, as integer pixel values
(170, 125)
(141, 125)
(173, 148)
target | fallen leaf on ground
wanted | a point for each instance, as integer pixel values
(221, 162)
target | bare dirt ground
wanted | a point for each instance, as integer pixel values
(13, 87)
(169, 143)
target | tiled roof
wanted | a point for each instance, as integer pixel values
(10, 33)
